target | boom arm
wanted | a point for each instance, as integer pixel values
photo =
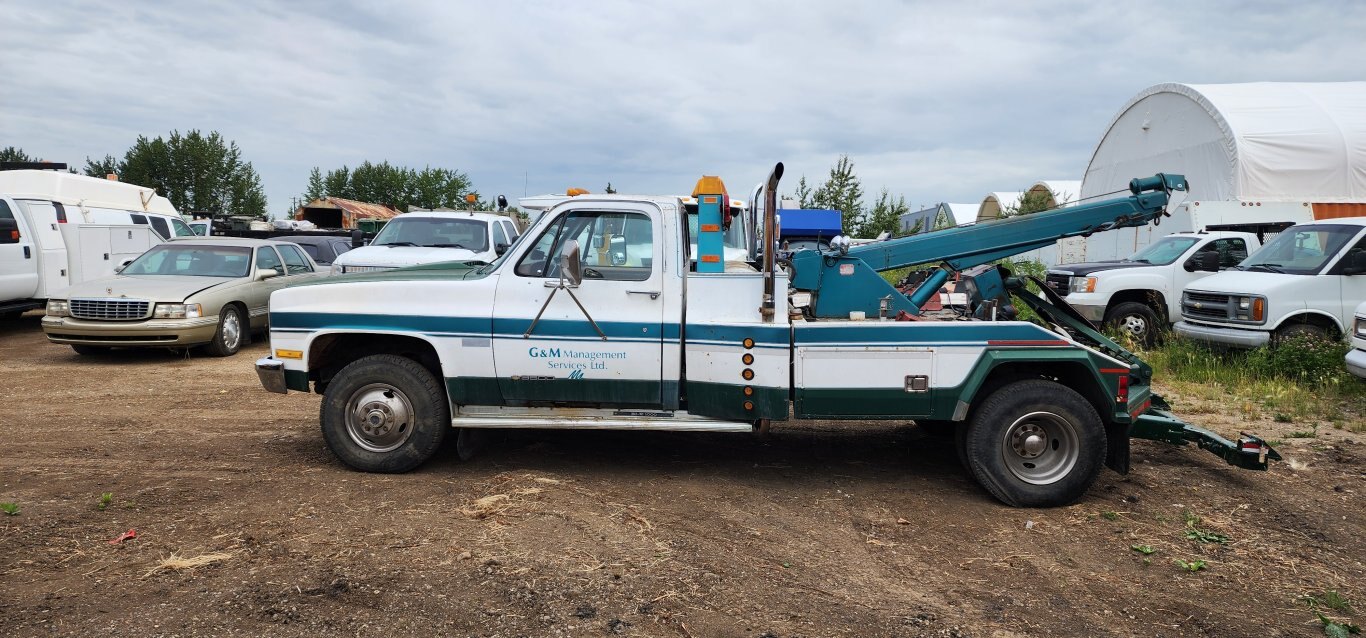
(848, 281)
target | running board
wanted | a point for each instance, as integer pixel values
(488, 417)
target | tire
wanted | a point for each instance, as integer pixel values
(231, 335)
(1137, 320)
(1035, 443)
(1291, 331)
(384, 413)
(89, 351)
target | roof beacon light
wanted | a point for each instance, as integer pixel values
(713, 217)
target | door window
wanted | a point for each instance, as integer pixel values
(182, 229)
(161, 227)
(511, 230)
(5, 211)
(1231, 251)
(139, 219)
(295, 262)
(500, 236)
(612, 246)
(266, 258)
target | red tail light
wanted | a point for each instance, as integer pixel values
(1123, 396)
(61, 212)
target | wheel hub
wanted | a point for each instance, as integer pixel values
(379, 417)
(1029, 441)
(1135, 325)
(1040, 447)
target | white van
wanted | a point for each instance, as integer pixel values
(58, 229)
(1307, 280)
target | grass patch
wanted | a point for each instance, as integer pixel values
(105, 499)
(1301, 380)
(10, 509)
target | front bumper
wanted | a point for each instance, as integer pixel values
(148, 332)
(1233, 337)
(1094, 314)
(1356, 362)
(272, 375)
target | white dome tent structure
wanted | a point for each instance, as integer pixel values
(995, 203)
(1252, 153)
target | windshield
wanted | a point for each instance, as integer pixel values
(1163, 251)
(733, 239)
(1301, 250)
(192, 260)
(435, 232)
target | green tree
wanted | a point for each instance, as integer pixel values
(884, 217)
(804, 196)
(15, 154)
(384, 183)
(842, 191)
(196, 172)
(1029, 203)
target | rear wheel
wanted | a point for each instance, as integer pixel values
(231, 335)
(1035, 443)
(384, 413)
(1136, 320)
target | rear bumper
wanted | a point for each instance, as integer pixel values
(1356, 362)
(1232, 337)
(150, 332)
(272, 375)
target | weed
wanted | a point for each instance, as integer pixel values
(1190, 518)
(1109, 516)
(1335, 629)
(105, 499)
(1192, 566)
(1311, 433)
(1329, 599)
(1144, 549)
(11, 509)
(1206, 537)
(1281, 417)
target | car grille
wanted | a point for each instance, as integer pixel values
(350, 269)
(1058, 283)
(111, 309)
(1210, 306)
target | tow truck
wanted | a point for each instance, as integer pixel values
(601, 318)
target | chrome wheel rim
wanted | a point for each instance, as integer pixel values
(1134, 325)
(379, 418)
(232, 330)
(1040, 448)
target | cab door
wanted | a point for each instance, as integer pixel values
(597, 344)
(18, 258)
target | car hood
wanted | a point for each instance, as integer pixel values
(397, 256)
(1247, 283)
(1091, 267)
(151, 287)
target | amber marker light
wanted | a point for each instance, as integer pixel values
(748, 358)
(747, 374)
(747, 343)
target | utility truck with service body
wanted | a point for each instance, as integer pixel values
(573, 329)
(1140, 295)
(1305, 281)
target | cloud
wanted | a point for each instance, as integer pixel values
(936, 101)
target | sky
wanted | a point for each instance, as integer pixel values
(934, 101)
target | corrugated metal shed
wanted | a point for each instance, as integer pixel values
(336, 212)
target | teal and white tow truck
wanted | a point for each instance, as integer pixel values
(600, 318)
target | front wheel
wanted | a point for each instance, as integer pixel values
(384, 413)
(1136, 320)
(1035, 443)
(231, 334)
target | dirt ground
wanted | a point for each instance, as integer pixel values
(821, 529)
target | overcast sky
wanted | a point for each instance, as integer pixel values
(941, 101)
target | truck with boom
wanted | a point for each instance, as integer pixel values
(573, 328)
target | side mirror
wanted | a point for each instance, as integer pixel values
(1205, 261)
(263, 274)
(357, 238)
(500, 248)
(1356, 263)
(571, 271)
(119, 268)
(9, 231)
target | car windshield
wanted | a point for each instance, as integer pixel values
(1301, 250)
(1163, 251)
(196, 260)
(436, 232)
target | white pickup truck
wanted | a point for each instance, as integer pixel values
(428, 237)
(1305, 281)
(1138, 295)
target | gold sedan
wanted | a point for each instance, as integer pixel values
(207, 291)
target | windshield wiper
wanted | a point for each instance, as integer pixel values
(1267, 267)
(399, 243)
(446, 246)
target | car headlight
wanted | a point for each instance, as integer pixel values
(1249, 308)
(178, 311)
(58, 308)
(1083, 284)
(337, 269)
(1361, 327)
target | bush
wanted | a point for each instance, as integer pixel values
(1307, 359)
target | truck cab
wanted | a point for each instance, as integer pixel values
(1139, 295)
(1305, 281)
